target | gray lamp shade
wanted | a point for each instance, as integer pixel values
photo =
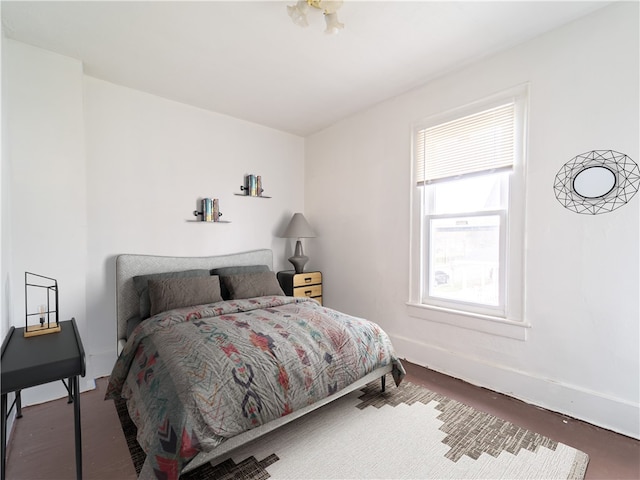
(298, 228)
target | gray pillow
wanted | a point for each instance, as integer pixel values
(171, 293)
(237, 270)
(251, 285)
(132, 323)
(141, 284)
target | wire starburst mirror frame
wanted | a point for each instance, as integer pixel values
(619, 178)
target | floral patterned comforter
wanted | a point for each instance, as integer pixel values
(196, 376)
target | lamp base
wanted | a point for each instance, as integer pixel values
(298, 263)
(299, 259)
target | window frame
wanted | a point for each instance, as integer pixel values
(472, 307)
(508, 319)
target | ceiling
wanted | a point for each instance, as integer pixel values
(248, 60)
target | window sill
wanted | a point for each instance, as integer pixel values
(471, 321)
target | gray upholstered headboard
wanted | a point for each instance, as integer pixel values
(131, 265)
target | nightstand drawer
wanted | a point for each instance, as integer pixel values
(304, 279)
(308, 291)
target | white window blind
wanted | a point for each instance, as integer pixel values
(476, 143)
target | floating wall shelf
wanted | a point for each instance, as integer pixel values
(251, 196)
(200, 221)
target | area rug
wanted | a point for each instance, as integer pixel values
(405, 432)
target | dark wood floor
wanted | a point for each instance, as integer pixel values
(42, 446)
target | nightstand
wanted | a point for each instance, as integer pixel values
(306, 284)
(27, 362)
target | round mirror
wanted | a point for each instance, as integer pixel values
(605, 180)
(594, 182)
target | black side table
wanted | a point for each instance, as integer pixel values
(27, 362)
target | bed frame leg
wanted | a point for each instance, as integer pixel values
(383, 380)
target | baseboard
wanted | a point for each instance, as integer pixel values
(97, 365)
(53, 391)
(605, 411)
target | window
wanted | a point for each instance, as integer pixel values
(468, 197)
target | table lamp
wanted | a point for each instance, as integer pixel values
(298, 228)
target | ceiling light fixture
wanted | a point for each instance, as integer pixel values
(298, 13)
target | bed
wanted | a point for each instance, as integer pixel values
(212, 355)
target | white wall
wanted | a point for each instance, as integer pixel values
(582, 354)
(93, 170)
(45, 215)
(148, 162)
(5, 238)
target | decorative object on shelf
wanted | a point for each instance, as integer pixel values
(597, 182)
(41, 298)
(298, 228)
(252, 187)
(329, 8)
(215, 207)
(210, 210)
